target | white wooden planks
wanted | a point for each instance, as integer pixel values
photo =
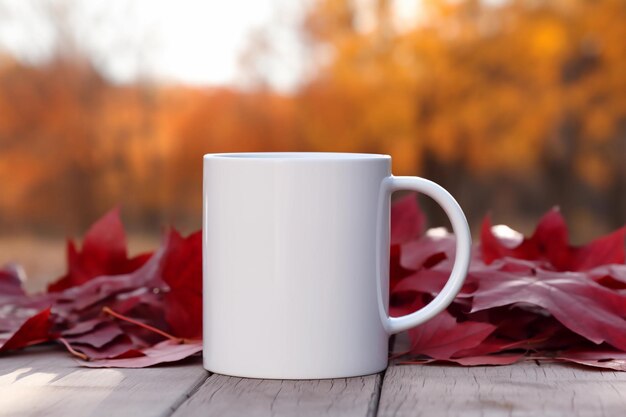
(48, 382)
(525, 389)
(229, 397)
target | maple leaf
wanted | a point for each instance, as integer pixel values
(106, 287)
(407, 223)
(165, 351)
(35, 329)
(550, 244)
(597, 357)
(182, 272)
(10, 281)
(407, 219)
(98, 336)
(600, 252)
(443, 336)
(579, 303)
(121, 347)
(160, 292)
(428, 250)
(611, 276)
(396, 271)
(431, 281)
(500, 359)
(103, 253)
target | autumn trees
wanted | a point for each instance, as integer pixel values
(523, 99)
(514, 106)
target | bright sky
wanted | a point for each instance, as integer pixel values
(190, 41)
(187, 41)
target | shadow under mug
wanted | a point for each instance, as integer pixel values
(296, 263)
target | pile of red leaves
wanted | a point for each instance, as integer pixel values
(534, 297)
(110, 310)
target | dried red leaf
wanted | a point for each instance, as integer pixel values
(103, 253)
(98, 336)
(500, 359)
(34, 330)
(443, 336)
(431, 281)
(182, 272)
(17, 309)
(82, 327)
(579, 303)
(99, 289)
(10, 281)
(550, 243)
(595, 357)
(427, 251)
(166, 351)
(611, 276)
(120, 347)
(407, 220)
(396, 271)
(603, 251)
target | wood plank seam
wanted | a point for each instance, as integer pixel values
(372, 409)
(188, 394)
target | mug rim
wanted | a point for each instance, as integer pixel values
(297, 156)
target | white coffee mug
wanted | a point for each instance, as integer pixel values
(296, 263)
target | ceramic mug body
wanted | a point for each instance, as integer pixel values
(296, 263)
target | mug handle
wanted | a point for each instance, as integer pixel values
(461, 260)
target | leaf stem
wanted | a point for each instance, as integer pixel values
(72, 350)
(119, 316)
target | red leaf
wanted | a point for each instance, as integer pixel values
(549, 243)
(442, 336)
(431, 281)
(597, 358)
(120, 347)
(98, 336)
(103, 253)
(579, 303)
(396, 271)
(407, 220)
(182, 271)
(34, 330)
(14, 310)
(184, 313)
(603, 251)
(103, 287)
(166, 351)
(501, 359)
(10, 282)
(82, 327)
(426, 250)
(611, 276)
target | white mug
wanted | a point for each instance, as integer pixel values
(296, 263)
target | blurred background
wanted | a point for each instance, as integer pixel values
(513, 105)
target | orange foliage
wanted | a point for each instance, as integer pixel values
(480, 85)
(503, 105)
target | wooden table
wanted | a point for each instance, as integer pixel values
(45, 382)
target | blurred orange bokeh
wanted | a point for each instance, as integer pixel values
(514, 106)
